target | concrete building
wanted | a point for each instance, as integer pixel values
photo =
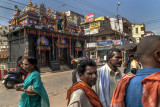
(105, 33)
(3, 46)
(138, 31)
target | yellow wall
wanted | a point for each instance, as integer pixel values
(141, 31)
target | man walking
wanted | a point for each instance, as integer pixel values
(108, 76)
(142, 89)
(80, 94)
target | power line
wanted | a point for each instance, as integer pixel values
(73, 6)
(17, 2)
(6, 8)
(156, 28)
(9, 3)
(96, 7)
(4, 17)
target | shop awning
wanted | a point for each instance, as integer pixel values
(126, 46)
(103, 48)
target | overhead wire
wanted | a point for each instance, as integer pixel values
(73, 6)
(17, 2)
(96, 7)
(9, 3)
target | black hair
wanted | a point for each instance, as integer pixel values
(33, 61)
(111, 53)
(133, 70)
(18, 59)
(131, 56)
(86, 62)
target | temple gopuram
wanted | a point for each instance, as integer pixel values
(52, 37)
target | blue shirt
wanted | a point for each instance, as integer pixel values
(134, 91)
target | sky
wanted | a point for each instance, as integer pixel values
(136, 11)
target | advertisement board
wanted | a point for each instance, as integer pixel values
(91, 45)
(94, 25)
(90, 17)
(94, 31)
(101, 43)
(100, 18)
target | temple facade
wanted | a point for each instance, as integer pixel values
(50, 36)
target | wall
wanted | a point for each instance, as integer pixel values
(141, 31)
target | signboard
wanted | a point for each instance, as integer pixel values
(116, 42)
(94, 31)
(89, 45)
(101, 43)
(90, 17)
(94, 25)
(125, 41)
(100, 18)
(87, 31)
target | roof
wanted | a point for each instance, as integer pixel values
(127, 46)
(42, 29)
(121, 47)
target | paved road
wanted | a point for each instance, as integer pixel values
(56, 85)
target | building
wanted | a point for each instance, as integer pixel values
(105, 33)
(45, 35)
(3, 46)
(138, 31)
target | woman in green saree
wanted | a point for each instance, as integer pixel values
(34, 93)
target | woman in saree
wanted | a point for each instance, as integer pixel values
(34, 93)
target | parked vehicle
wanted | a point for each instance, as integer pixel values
(76, 61)
(12, 78)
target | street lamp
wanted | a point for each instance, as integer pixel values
(118, 4)
(61, 6)
(117, 7)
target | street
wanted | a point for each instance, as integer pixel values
(56, 85)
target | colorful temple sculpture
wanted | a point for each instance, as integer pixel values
(50, 36)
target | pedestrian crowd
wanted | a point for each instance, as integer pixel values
(104, 86)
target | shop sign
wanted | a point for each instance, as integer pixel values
(91, 45)
(116, 42)
(101, 43)
(125, 41)
(90, 17)
(94, 25)
(86, 31)
(94, 31)
(100, 18)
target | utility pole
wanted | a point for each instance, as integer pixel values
(118, 4)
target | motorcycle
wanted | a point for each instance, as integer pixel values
(12, 78)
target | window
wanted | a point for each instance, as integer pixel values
(136, 30)
(142, 29)
(103, 38)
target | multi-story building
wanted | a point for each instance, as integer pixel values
(3, 46)
(3, 30)
(105, 33)
(138, 31)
